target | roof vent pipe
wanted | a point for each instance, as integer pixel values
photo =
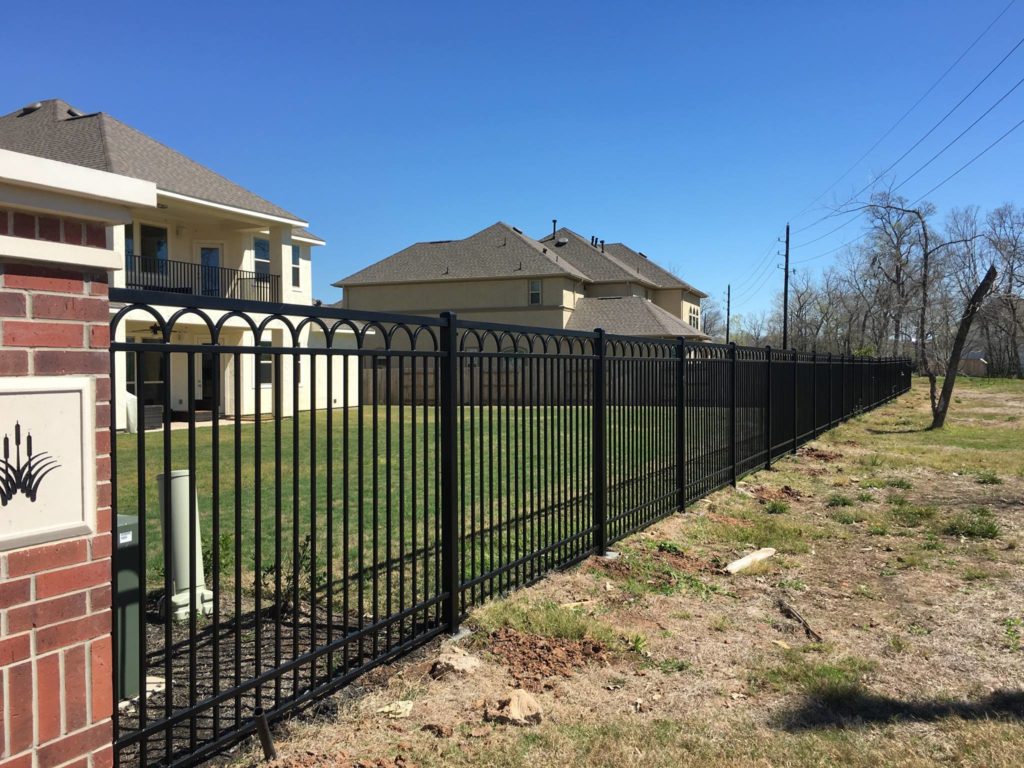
(554, 227)
(602, 246)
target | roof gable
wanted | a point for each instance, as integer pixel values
(599, 266)
(58, 131)
(497, 252)
(629, 316)
(650, 270)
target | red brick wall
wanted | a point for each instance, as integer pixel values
(55, 648)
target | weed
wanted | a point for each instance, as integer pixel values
(900, 483)
(897, 499)
(987, 477)
(871, 483)
(637, 643)
(839, 500)
(865, 496)
(545, 618)
(978, 523)
(865, 591)
(898, 644)
(670, 547)
(918, 630)
(932, 543)
(795, 584)
(721, 623)
(910, 516)
(878, 529)
(972, 573)
(1012, 632)
(671, 666)
(776, 507)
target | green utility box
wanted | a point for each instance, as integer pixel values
(128, 595)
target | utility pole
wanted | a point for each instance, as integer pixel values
(785, 297)
(728, 310)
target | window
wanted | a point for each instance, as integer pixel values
(153, 243)
(695, 317)
(129, 239)
(261, 256)
(265, 367)
(535, 291)
(296, 272)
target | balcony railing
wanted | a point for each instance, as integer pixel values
(149, 273)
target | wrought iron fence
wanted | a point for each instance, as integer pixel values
(364, 479)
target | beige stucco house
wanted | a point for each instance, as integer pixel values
(502, 275)
(202, 236)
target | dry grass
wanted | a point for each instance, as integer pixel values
(901, 553)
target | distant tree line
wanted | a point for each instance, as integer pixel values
(903, 289)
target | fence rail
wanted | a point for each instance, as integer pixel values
(372, 477)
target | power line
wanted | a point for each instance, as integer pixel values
(759, 267)
(968, 163)
(931, 130)
(905, 114)
(960, 135)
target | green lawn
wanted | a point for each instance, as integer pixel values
(378, 472)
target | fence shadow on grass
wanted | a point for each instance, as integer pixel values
(851, 709)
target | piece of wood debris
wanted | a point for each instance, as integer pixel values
(792, 613)
(745, 562)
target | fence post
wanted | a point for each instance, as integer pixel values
(842, 388)
(830, 409)
(732, 410)
(814, 394)
(796, 399)
(449, 471)
(768, 407)
(598, 447)
(681, 425)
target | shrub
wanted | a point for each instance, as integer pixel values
(776, 507)
(839, 500)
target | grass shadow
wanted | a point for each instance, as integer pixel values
(909, 431)
(855, 708)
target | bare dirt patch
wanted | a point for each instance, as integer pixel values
(536, 663)
(765, 493)
(814, 453)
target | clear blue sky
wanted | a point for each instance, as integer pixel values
(691, 131)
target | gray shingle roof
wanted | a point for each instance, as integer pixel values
(599, 267)
(495, 252)
(629, 316)
(58, 131)
(656, 274)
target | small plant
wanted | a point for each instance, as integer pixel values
(911, 516)
(932, 543)
(637, 643)
(776, 507)
(878, 530)
(794, 584)
(865, 496)
(673, 666)
(1012, 632)
(839, 500)
(900, 483)
(978, 523)
(918, 630)
(721, 623)
(898, 644)
(987, 477)
(897, 499)
(972, 573)
(670, 547)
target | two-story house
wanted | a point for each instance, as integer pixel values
(207, 237)
(502, 275)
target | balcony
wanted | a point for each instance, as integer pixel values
(184, 277)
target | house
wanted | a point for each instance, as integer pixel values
(973, 363)
(203, 236)
(499, 274)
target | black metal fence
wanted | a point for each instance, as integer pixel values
(149, 273)
(365, 479)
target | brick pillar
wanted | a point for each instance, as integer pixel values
(55, 599)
